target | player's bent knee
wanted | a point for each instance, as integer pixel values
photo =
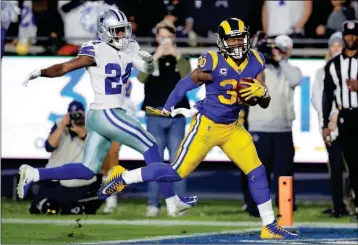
(258, 175)
(82, 171)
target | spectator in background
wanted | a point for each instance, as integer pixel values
(49, 24)
(207, 15)
(271, 128)
(342, 11)
(335, 163)
(170, 67)
(9, 13)
(285, 17)
(80, 22)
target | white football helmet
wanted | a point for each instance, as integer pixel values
(109, 24)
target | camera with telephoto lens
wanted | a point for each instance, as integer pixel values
(78, 118)
(265, 45)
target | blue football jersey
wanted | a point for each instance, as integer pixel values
(221, 103)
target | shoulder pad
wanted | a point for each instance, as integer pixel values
(260, 58)
(88, 49)
(208, 61)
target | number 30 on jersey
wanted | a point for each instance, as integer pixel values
(115, 80)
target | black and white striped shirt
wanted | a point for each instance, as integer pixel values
(337, 71)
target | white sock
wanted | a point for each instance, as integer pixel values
(133, 176)
(266, 212)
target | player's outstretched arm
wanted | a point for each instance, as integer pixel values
(63, 68)
(191, 81)
(263, 101)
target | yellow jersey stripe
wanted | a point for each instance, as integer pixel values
(241, 25)
(257, 56)
(226, 27)
(214, 56)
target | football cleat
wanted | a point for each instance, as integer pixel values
(152, 211)
(275, 231)
(182, 204)
(27, 177)
(113, 184)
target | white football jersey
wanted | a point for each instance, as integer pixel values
(112, 70)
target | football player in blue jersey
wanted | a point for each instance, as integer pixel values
(216, 121)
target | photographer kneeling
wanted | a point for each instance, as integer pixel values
(66, 142)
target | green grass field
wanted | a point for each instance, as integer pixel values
(64, 229)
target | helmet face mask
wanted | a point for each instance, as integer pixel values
(233, 38)
(114, 28)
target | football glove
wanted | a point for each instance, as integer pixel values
(184, 111)
(144, 55)
(156, 111)
(255, 89)
(33, 75)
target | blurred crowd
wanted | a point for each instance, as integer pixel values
(60, 26)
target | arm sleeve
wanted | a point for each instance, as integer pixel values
(48, 147)
(328, 94)
(184, 85)
(206, 62)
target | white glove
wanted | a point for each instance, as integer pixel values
(184, 111)
(144, 55)
(35, 74)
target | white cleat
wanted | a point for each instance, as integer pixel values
(182, 204)
(152, 211)
(27, 177)
(111, 204)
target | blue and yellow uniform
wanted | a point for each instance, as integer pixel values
(216, 123)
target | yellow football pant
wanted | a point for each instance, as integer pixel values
(204, 134)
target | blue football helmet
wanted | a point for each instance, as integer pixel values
(114, 28)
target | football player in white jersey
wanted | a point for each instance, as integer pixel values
(109, 62)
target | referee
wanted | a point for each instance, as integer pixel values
(341, 74)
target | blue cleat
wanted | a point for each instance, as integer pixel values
(27, 176)
(113, 184)
(275, 231)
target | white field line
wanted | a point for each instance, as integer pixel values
(167, 223)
